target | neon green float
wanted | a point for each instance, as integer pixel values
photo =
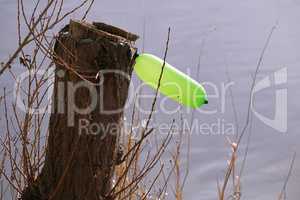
(174, 84)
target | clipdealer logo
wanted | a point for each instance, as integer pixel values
(279, 121)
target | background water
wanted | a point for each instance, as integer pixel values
(229, 36)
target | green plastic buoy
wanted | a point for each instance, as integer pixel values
(174, 84)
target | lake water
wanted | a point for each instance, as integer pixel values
(229, 37)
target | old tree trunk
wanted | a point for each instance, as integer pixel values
(93, 70)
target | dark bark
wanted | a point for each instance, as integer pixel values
(81, 166)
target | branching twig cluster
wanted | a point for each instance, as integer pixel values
(143, 174)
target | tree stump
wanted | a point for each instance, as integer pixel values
(92, 77)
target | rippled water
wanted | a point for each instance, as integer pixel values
(229, 36)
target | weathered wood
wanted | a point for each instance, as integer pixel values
(81, 166)
(115, 31)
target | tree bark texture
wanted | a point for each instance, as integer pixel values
(80, 162)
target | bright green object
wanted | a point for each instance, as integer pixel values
(174, 84)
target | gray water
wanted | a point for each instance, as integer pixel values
(229, 36)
